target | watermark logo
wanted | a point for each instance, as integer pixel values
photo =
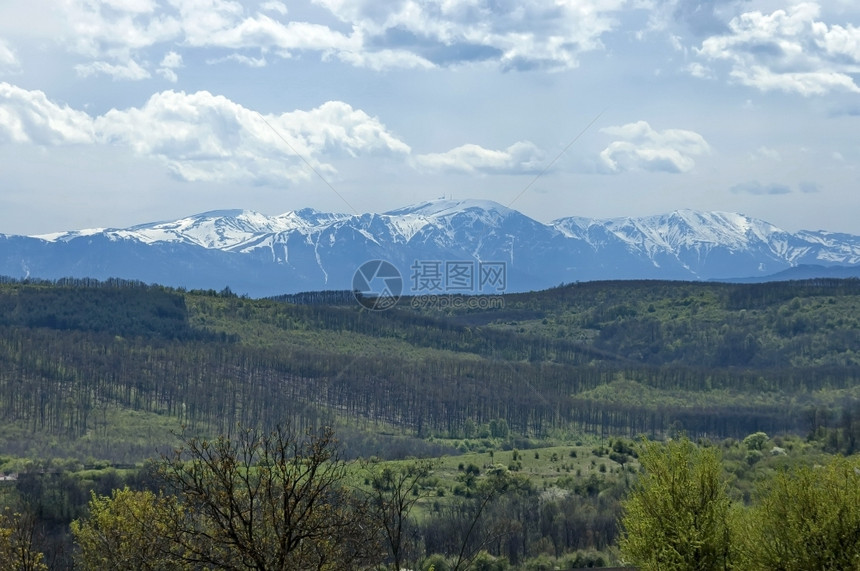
(455, 301)
(442, 284)
(459, 276)
(377, 285)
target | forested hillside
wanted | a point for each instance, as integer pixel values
(109, 369)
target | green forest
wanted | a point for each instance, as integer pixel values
(515, 437)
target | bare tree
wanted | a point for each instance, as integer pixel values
(393, 493)
(498, 482)
(268, 501)
(460, 530)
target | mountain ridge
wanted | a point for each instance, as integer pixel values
(307, 249)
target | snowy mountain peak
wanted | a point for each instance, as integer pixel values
(225, 213)
(218, 229)
(676, 229)
(697, 220)
(307, 249)
(690, 227)
(313, 213)
(447, 207)
(69, 235)
(307, 220)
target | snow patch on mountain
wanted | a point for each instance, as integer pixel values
(307, 249)
(66, 236)
(407, 225)
(449, 207)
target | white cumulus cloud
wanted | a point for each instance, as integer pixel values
(274, 6)
(130, 70)
(210, 138)
(385, 59)
(205, 137)
(239, 58)
(766, 153)
(698, 70)
(169, 64)
(30, 117)
(104, 29)
(8, 58)
(789, 50)
(516, 34)
(225, 24)
(640, 147)
(520, 157)
(171, 60)
(115, 34)
(118, 37)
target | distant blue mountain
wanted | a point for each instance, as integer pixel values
(311, 250)
(802, 272)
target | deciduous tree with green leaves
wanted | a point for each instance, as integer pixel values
(807, 519)
(18, 550)
(129, 530)
(678, 515)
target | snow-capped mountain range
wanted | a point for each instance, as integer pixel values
(310, 250)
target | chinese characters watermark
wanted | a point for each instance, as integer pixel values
(460, 276)
(455, 284)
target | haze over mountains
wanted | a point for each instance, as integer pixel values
(310, 250)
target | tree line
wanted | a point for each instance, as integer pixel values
(70, 352)
(61, 382)
(281, 499)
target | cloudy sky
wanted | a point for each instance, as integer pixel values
(117, 112)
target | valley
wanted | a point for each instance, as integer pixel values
(549, 396)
